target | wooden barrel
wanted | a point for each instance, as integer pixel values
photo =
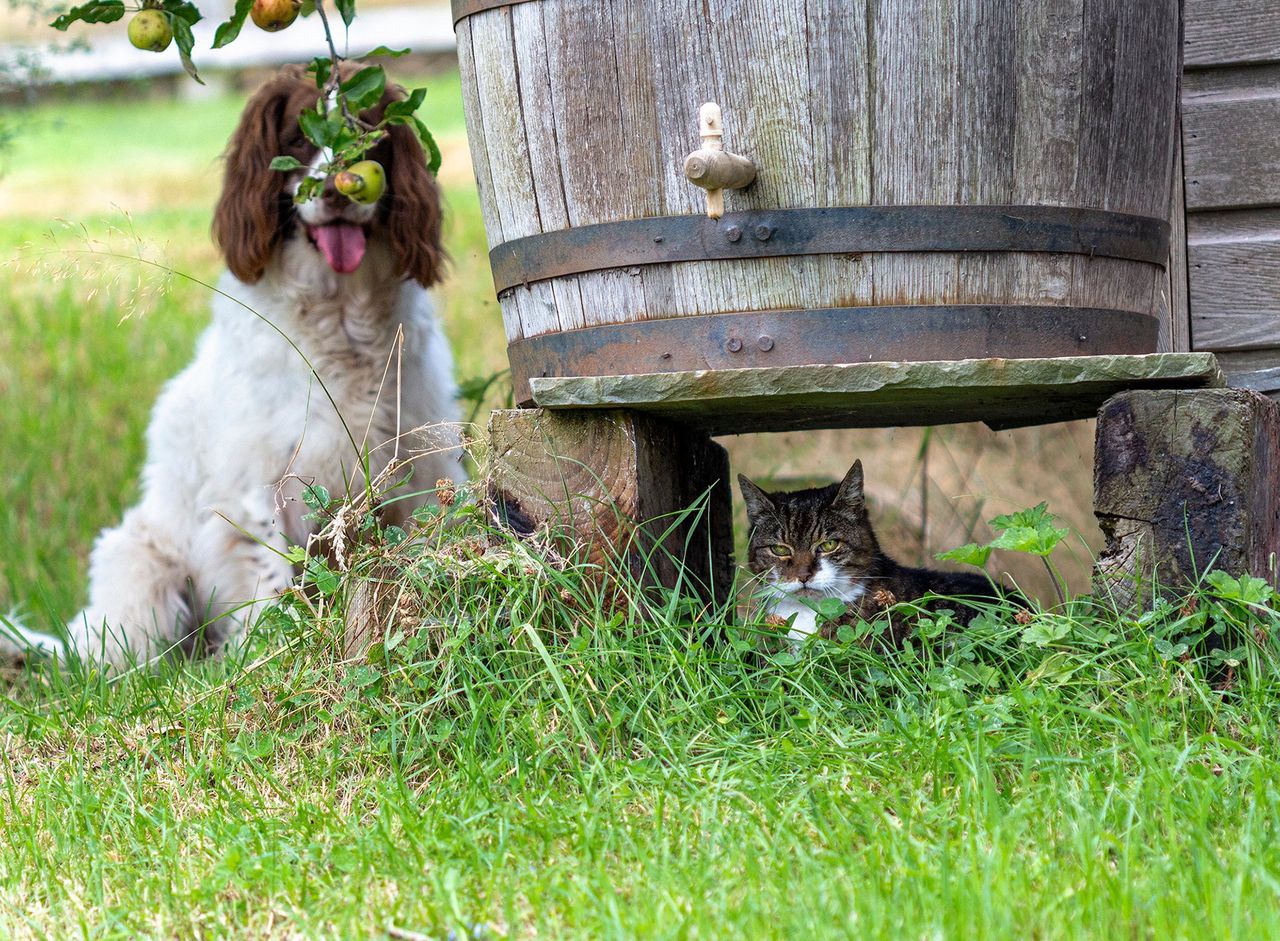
(936, 180)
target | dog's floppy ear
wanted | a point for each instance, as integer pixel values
(413, 214)
(247, 221)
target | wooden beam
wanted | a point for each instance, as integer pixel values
(1232, 151)
(1185, 481)
(1235, 282)
(1230, 31)
(613, 485)
(1258, 370)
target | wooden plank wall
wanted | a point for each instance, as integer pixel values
(1231, 146)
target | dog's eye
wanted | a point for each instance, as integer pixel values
(780, 550)
(831, 545)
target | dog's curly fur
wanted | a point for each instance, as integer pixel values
(302, 369)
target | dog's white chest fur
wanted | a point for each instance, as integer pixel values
(290, 386)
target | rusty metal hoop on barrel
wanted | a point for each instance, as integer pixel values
(845, 230)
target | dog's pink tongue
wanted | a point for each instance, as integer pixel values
(342, 245)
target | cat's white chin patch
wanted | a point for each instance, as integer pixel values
(800, 606)
(806, 618)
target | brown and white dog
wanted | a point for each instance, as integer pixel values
(322, 346)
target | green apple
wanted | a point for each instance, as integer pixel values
(150, 29)
(274, 15)
(363, 183)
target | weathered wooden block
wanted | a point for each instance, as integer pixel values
(1185, 481)
(615, 482)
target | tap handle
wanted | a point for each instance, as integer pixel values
(712, 167)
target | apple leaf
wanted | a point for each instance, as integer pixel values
(347, 8)
(186, 42)
(308, 188)
(286, 163)
(229, 30)
(402, 109)
(317, 128)
(344, 136)
(430, 145)
(95, 11)
(188, 64)
(183, 10)
(364, 89)
(384, 51)
(321, 67)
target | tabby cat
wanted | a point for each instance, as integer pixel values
(818, 543)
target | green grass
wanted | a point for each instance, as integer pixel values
(513, 755)
(517, 755)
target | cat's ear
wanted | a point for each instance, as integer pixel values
(850, 492)
(757, 501)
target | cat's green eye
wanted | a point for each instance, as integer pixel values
(831, 545)
(780, 550)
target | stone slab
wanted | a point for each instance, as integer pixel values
(1004, 393)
